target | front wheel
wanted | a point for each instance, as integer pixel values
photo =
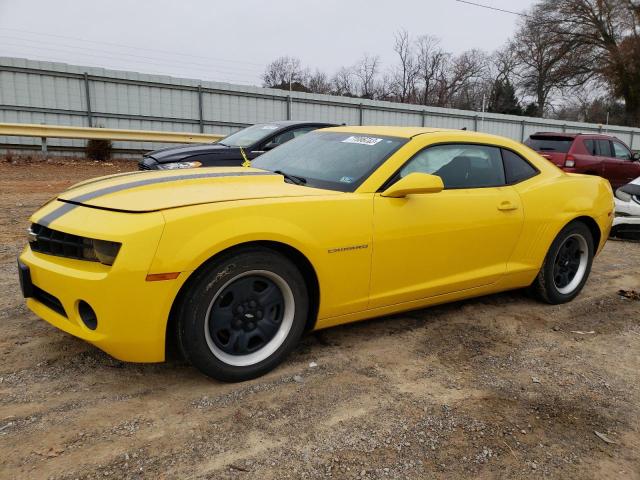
(242, 315)
(566, 266)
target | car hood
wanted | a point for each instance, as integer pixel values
(177, 154)
(153, 191)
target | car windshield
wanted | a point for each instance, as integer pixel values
(333, 160)
(549, 144)
(250, 135)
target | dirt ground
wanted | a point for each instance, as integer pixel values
(496, 387)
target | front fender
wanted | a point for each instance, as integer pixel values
(189, 241)
(334, 234)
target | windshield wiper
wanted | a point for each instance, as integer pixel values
(291, 178)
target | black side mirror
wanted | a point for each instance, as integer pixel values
(635, 156)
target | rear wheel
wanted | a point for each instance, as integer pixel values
(243, 314)
(566, 266)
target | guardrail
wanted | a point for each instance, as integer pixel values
(90, 133)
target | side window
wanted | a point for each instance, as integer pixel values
(298, 132)
(516, 168)
(590, 145)
(460, 165)
(620, 151)
(603, 148)
(290, 135)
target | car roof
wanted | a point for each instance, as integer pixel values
(410, 132)
(402, 132)
(571, 135)
(288, 123)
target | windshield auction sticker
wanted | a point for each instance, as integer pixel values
(362, 140)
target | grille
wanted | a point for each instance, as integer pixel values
(49, 300)
(53, 242)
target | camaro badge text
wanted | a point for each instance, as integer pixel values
(345, 249)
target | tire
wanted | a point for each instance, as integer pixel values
(242, 314)
(567, 265)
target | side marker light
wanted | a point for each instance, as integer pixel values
(156, 277)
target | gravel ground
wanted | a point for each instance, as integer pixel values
(496, 387)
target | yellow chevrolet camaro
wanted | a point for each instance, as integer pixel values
(339, 225)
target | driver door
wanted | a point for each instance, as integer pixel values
(432, 244)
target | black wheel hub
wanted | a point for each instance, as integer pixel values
(246, 315)
(567, 262)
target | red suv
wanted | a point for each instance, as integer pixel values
(602, 155)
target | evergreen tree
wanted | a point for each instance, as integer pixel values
(503, 98)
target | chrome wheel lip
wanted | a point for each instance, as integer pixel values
(582, 266)
(278, 339)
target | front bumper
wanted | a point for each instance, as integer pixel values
(626, 225)
(627, 217)
(132, 313)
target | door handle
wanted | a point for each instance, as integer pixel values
(507, 206)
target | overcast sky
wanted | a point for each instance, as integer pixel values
(233, 40)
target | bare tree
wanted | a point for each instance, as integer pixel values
(365, 71)
(559, 45)
(318, 82)
(342, 82)
(384, 88)
(465, 85)
(547, 63)
(584, 104)
(609, 30)
(283, 73)
(404, 74)
(431, 62)
(503, 63)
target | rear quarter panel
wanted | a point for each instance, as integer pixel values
(550, 203)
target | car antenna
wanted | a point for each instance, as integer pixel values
(464, 128)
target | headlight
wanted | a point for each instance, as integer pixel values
(624, 196)
(101, 251)
(105, 251)
(178, 165)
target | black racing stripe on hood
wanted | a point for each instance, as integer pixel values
(67, 207)
(57, 213)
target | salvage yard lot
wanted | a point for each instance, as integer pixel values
(500, 386)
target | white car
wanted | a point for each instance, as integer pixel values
(626, 223)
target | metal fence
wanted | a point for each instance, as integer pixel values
(60, 94)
